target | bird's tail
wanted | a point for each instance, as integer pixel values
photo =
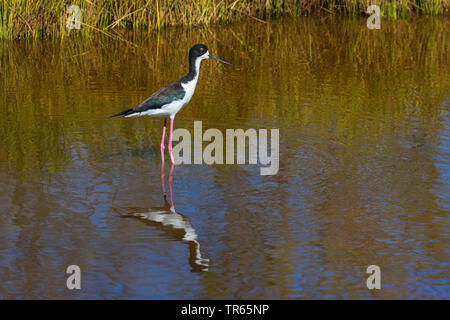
(123, 113)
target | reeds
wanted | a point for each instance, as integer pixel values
(47, 18)
(55, 96)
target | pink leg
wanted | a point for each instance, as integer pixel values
(162, 140)
(163, 185)
(170, 141)
(170, 184)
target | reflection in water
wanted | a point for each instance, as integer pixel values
(364, 164)
(173, 223)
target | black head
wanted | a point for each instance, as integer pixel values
(201, 51)
(198, 50)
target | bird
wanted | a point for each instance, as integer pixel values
(167, 101)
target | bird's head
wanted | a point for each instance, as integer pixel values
(200, 51)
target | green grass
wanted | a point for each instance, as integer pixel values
(47, 18)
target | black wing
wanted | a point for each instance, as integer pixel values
(169, 93)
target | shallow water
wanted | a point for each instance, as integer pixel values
(364, 174)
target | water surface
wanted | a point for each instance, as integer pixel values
(364, 174)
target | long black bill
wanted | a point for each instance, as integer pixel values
(215, 58)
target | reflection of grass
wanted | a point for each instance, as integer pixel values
(42, 18)
(365, 83)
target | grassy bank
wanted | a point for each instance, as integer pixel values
(47, 18)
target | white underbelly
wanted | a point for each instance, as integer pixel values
(166, 110)
(172, 108)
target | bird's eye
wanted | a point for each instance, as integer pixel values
(202, 50)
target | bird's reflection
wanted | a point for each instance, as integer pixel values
(173, 223)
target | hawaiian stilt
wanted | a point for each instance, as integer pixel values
(169, 100)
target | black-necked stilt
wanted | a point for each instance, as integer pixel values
(169, 100)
